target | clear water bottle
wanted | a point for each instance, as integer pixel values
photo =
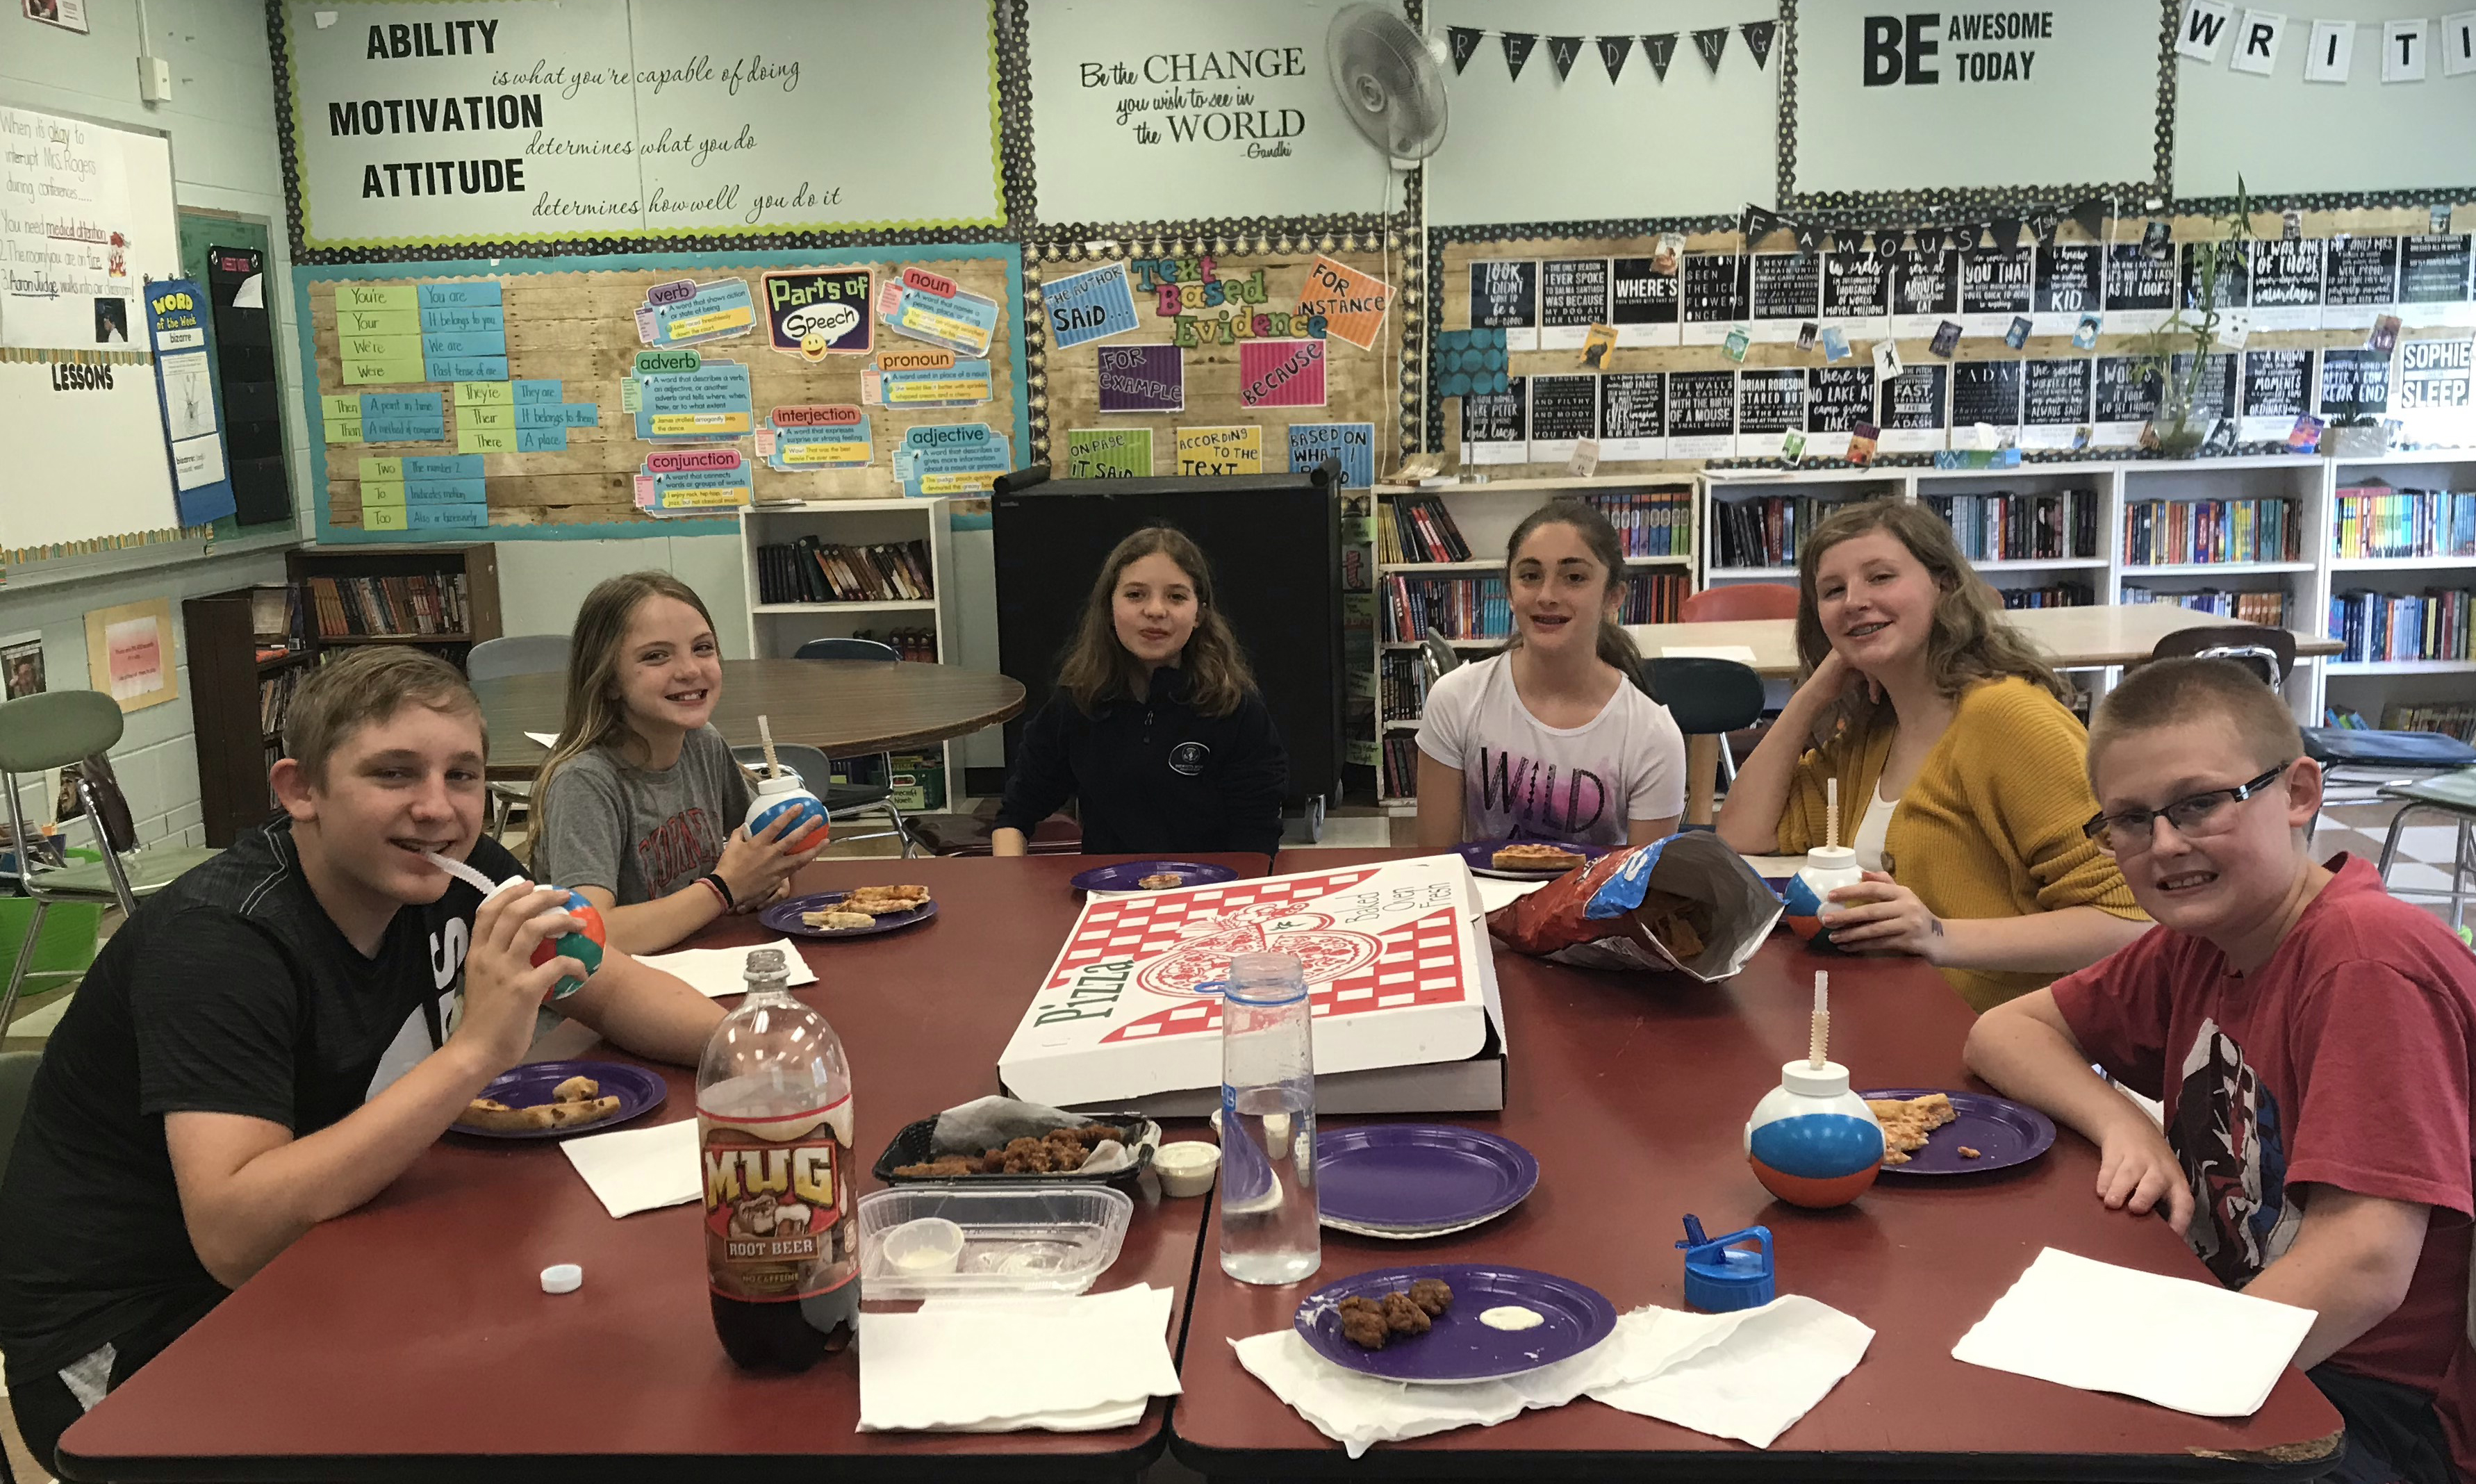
(774, 1115)
(1269, 1233)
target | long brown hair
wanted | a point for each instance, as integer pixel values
(1615, 646)
(1969, 639)
(593, 716)
(1097, 666)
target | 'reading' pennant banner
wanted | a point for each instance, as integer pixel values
(1712, 43)
(1612, 52)
(1517, 50)
(1561, 50)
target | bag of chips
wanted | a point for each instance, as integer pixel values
(1687, 903)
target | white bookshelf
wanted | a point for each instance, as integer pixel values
(1486, 515)
(2372, 686)
(776, 631)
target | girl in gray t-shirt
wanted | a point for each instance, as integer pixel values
(639, 804)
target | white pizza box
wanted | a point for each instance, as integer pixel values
(1401, 982)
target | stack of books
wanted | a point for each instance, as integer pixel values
(1403, 684)
(2452, 717)
(2267, 609)
(2005, 527)
(2054, 595)
(1401, 779)
(1416, 527)
(1456, 607)
(417, 606)
(1764, 531)
(814, 571)
(2377, 521)
(2393, 626)
(2179, 533)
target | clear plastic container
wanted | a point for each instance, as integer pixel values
(1016, 1241)
(1269, 1233)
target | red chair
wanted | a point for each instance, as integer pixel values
(1741, 601)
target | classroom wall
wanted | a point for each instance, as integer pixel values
(221, 119)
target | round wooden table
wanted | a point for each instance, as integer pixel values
(841, 707)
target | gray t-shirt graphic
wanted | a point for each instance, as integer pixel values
(636, 833)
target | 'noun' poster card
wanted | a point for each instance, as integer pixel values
(1504, 295)
(1495, 426)
(1787, 291)
(2277, 390)
(2286, 283)
(1633, 415)
(1836, 399)
(1770, 404)
(2071, 282)
(2054, 402)
(1572, 296)
(2140, 288)
(1913, 416)
(2359, 281)
(1564, 410)
(1701, 414)
(1643, 303)
(1714, 294)
(2123, 398)
(1857, 295)
(1996, 286)
(1926, 291)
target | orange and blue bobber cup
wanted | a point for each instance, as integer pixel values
(1812, 1142)
(582, 941)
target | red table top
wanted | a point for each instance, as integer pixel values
(1632, 1091)
(412, 1338)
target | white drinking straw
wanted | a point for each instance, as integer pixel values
(1831, 812)
(469, 877)
(765, 735)
(1818, 1040)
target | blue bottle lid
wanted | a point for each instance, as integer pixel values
(1720, 1278)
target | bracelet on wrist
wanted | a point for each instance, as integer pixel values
(721, 889)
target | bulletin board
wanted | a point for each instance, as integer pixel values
(1228, 418)
(574, 322)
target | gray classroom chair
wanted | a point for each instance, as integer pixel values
(520, 654)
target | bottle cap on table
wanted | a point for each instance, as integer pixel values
(564, 1277)
(1720, 1277)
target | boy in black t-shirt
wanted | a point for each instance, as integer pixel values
(265, 1043)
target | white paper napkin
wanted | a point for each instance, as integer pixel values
(545, 738)
(1495, 892)
(716, 971)
(2099, 1328)
(1004, 1365)
(634, 1170)
(1714, 1357)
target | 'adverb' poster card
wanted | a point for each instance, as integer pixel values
(1643, 304)
(2125, 399)
(1857, 295)
(1701, 413)
(2054, 402)
(1572, 296)
(1504, 295)
(1633, 415)
(2277, 390)
(1986, 391)
(1914, 419)
(1495, 426)
(1926, 291)
(2359, 282)
(1770, 404)
(2286, 283)
(2139, 290)
(2433, 281)
(1786, 291)
(1998, 284)
(1716, 295)
(1836, 399)
(2071, 282)
(1564, 410)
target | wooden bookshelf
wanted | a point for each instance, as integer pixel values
(475, 565)
(228, 686)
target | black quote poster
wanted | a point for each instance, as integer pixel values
(1642, 302)
(1572, 296)
(2054, 402)
(1633, 415)
(2234, 276)
(2286, 283)
(2123, 400)
(1926, 291)
(1913, 419)
(2355, 384)
(1715, 294)
(1770, 403)
(2433, 278)
(2359, 281)
(2277, 390)
(1836, 399)
(2214, 394)
(2071, 282)
(2139, 290)
(1701, 413)
(1504, 295)
(1995, 285)
(1787, 292)
(1494, 427)
(1563, 411)
(1985, 391)
(1857, 292)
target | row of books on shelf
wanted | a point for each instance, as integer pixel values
(1401, 766)
(2388, 626)
(814, 571)
(1649, 522)
(2376, 521)
(1402, 685)
(2269, 608)
(1417, 527)
(2450, 718)
(2054, 595)
(275, 698)
(414, 605)
(1765, 529)
(1478, 608)
(2173, 532)
(2008, 526)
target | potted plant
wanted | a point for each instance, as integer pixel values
(2180, 424)
(2356, 434)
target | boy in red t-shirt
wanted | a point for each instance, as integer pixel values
(2314, 1040)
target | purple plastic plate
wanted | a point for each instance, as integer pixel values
(1459, 1347)
(785, 917)
(638, 1090)
(1478, 852)
(1402, 1176)
(2003, 1132)
(1129, 875)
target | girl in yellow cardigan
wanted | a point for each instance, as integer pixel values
(1961, 772)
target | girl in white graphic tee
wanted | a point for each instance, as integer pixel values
(1554, 738)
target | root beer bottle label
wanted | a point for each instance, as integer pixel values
(778, 1223)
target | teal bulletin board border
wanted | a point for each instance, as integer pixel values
(303, 275)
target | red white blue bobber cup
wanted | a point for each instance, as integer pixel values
(582, 943)
(1812, 1142)
(1827, 868)
(781, 795)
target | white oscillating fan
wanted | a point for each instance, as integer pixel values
(1389, 81)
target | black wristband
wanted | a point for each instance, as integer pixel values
(729, 902)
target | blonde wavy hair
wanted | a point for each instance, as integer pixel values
(594, 715)
(1971, 639)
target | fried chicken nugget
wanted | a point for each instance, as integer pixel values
(1097, 1133)
(1405, 1317)
(1433, 1295)
(1364, 1327)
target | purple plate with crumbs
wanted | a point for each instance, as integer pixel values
(1481, 855)
(1400, 1177)
(1129, 875)
(790, 917)
(1459, 1347)
(638, 1089)
(2003, 1132)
